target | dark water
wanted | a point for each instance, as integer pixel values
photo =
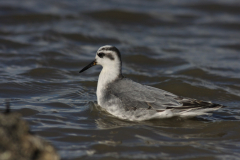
(189, 47)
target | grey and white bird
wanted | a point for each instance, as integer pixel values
(130, 100)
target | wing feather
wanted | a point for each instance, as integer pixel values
(134, 96)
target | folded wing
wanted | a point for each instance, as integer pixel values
(134, 96)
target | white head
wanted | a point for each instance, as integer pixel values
(109, 57)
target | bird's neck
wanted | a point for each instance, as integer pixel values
(107, 75)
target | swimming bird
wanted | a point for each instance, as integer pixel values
(130, 100)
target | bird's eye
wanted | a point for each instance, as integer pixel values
(101, 55)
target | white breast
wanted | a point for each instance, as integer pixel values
(106, 76)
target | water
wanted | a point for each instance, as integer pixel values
(189, 47)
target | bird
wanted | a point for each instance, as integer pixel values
(127, 99)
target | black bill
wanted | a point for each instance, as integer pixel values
(93, 63)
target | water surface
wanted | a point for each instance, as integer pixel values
(189, 47)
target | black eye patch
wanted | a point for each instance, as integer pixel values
(101, 55)
(110, 56)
